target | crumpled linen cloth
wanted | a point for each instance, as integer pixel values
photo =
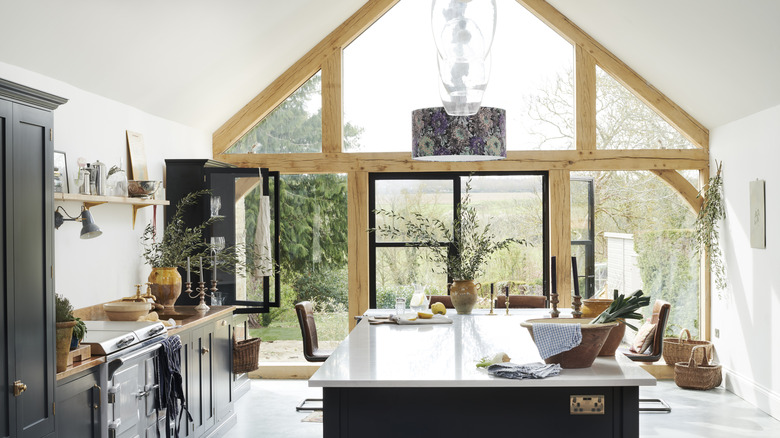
(552, 339)
(537, 370)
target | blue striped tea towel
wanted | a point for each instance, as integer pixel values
(552, 339)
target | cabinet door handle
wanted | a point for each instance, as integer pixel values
(223, 322)
(19, 388)
(99, 396)
(204, 350)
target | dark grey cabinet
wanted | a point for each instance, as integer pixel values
(27, 340)
(207, 376)
(80, 402)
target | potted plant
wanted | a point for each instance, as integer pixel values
(65, 322)
(168, 254)
(79, 331)
(178, 243)
(472, 246)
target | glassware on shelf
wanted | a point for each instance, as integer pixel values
(116, 183)
(218, 243)
(216, 204)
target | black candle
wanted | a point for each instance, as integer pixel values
(506, 292)
(554, 276)
(576, 278)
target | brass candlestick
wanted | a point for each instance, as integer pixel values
(491, 301)
(213, 290)
(200, 293)
(507, 300)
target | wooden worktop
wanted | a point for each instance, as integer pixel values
(186, 317)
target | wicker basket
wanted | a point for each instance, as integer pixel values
(702, 376)
(679, 349)
(245, 355)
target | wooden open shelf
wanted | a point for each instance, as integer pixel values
(93, 200)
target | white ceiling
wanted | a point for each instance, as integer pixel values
(198, 61)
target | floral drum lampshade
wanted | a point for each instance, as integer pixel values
(437, 136)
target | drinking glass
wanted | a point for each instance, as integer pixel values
(218, 243)
(400, 306)
(216, 204)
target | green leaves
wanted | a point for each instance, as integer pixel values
(623, 308)
(472, 244)
(706, 226)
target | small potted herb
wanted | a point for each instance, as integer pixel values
(65, 322)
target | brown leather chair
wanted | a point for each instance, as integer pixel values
(659, 317)
(444, 299)
(522, 302)
(311, 350)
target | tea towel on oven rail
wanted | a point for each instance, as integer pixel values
(171, 391)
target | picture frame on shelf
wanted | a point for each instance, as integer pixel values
(61, 179)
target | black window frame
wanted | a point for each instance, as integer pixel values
(457, 179)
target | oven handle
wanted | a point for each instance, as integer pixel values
(119, 361)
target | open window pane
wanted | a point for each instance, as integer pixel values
(295, 126)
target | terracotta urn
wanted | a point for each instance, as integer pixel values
(165, 285)
(64, 337)
(464, 295)
(592, 307)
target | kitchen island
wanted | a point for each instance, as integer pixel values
(388, 380)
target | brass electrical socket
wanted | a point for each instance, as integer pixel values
(586, 404)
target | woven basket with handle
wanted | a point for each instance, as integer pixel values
(679, 349)
(245, 355)
(691, 375)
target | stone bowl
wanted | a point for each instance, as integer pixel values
(126, 310)
(583, 355)
(142, 189)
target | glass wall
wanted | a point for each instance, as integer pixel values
(644, 240)
(511, 205)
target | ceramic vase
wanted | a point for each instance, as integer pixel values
(464, 295)
(64, 336)
(165, 285)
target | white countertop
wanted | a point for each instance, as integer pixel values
(445, 355)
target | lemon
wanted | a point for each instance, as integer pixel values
(438, 309)
(423, 315)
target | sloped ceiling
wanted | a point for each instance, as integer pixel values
(198, 61)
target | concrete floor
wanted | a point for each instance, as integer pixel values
(268, 410)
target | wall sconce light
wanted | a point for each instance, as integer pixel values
(88, 227)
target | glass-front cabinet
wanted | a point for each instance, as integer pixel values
(242, 206)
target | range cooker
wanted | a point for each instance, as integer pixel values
(131, 349)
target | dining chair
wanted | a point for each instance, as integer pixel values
(311, 350)
(444, 299)
(659, 317)
(522, 302)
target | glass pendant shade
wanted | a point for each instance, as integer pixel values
(463, 32)
(438, 136)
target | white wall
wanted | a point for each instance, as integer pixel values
(106, 268)
(747, 313)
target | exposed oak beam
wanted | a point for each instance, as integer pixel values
(682, 186)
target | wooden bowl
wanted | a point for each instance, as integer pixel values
(583, 355)
(126, 310)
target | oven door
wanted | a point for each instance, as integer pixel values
(131, 394)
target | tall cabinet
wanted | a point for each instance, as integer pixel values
(27, 346)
